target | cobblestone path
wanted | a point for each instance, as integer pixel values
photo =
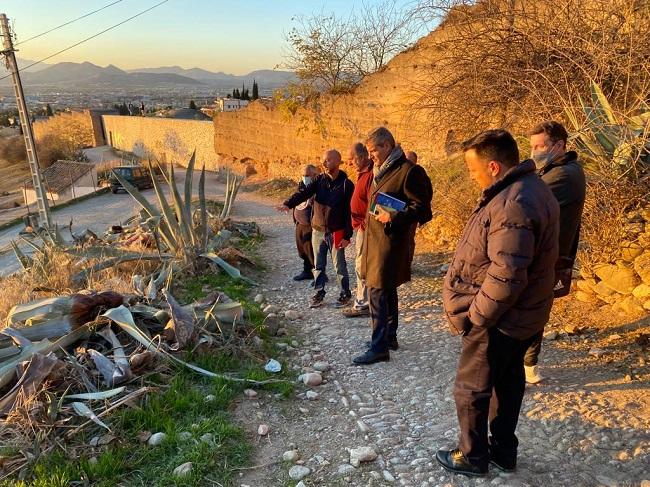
(587, 425)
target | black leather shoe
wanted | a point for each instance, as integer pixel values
(303, 276)
(454, 461)
(371, 357)
(391, 345)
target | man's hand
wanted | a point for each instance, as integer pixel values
(283, 209)
(383, 216)
(344, 243)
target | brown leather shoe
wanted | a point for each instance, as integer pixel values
(356, 312)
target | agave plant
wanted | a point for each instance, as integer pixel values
(233, 183)
(618, 146)
(185, 233)
(173, 219)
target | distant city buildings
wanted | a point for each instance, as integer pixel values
(230, 104)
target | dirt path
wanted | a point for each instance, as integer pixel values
(587, 425)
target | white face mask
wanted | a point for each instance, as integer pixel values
(544, 157)
(306, 180)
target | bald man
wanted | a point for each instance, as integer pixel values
(331, 225)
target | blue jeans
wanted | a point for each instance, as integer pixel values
(322, 242)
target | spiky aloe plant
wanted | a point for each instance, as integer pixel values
(618, 146)
(174, 216)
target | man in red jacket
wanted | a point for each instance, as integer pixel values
(359, 208)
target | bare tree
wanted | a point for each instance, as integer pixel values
(334, 54)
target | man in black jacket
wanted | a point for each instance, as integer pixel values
(302, 219)
(563, 174)
(331, 224)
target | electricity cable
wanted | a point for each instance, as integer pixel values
(89, 38)
(68, 23)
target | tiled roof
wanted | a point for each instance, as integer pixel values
(60, 175)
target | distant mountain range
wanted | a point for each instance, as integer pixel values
(88, 74)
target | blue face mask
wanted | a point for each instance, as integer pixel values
(306, 180)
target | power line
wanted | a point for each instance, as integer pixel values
(68, 23)
(91, 37)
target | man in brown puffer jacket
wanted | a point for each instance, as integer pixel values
(498, 294)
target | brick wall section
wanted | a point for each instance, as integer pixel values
(167, 139)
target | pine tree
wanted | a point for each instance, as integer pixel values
(256, 92)
(192, 105)
(48, 110)
(234, 93)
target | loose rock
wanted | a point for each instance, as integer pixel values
(362, 454)
(291, 455)
(321, 366)
(312, 379)
(250, 393)
(183, 470)
(156, 439)
(263, 430)
(298, 472)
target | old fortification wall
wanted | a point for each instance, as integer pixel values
(168, 140)
(273, 140)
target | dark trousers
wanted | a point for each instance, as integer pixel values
(490, 384)
(384, 316)
(303, 244)
(532, 354)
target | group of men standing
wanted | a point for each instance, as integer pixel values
(384, 240)
(516, 254)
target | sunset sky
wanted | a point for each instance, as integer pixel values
(235, 37)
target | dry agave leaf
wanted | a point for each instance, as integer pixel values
(82, 410)
(122, 316)
(181, 322)
(96, 396)
(38, 368)
(230, 270)
(121, 362)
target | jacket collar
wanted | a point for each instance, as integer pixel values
(512, 175)
(568, 158)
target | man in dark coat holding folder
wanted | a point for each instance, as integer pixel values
(389, 242)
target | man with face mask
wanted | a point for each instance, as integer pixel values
(564, 175)
(302, 219)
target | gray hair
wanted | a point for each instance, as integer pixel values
(360, 149)
(381, 136)
(311, 168)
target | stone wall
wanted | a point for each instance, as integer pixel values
(167, 139)
(624, 284)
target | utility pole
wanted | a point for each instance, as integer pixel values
(45, 218)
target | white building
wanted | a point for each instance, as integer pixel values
(65, 180)
(230, 104)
